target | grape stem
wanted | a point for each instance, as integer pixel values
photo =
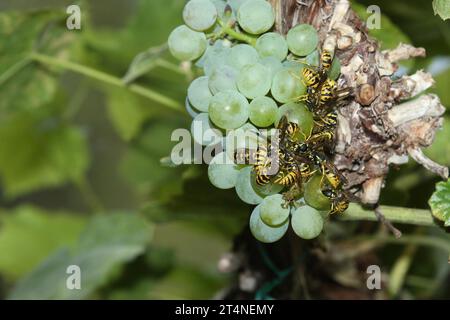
(227, 29)
(393, 214)
(106, 78)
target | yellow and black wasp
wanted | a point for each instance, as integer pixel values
(328, 170)
(339, 200)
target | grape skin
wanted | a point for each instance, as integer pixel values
(272, 44)
(228, 109)
(223, 78)
(307, 222)
(302, 39)
(244, 188)
(254, 80)
(263, 111)
(271, 211)
(242, 55)
(222, 172)
(186, 44)
(256, 16)
(199, 94)
(200, 15)
(286, 87)
(263, 232)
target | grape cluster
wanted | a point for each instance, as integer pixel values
(252, 78)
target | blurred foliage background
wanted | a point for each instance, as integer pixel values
(80, 160)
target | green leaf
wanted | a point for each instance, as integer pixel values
(442, 83)
(29, 234)
(440, 202)
(108, 242)
(143, 63)
(24, 85)
(440, 149)
(442, 8)
(128, 112)
(38, 151)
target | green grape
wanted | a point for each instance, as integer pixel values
(313, 58)
(256, 16)
(214, 56)
(223, 78)
(335, 70)
(245, 137)
(235, 4)
(267, 189)
(272, 211)
(302, 39)
(273, 64)
(286, 87)
(200, 15)
(313, 194)
(190, 109)
(199, 94)
(263, 111)
(228, 110)
(242, 55)
(222, 172)
(295, 67)
(263, 232)
(297, 113)
(306, 222)
(186, 44)
(254, 80)
(204, 132)
(244, 187)
(272, 44)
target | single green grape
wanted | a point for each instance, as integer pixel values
(272, 44)
(306, 222)
(313, 194)
(254, 80)
(222, 78)
(244, 187)
(241, 55)
(186, 44)
(222, 172)
(199, 94)
(302, 39)
(263, 232)
(256, 16)
(228, 110)
(263, 111)
(297, 113)
(272, 211)
(286, 87)
(200, 15)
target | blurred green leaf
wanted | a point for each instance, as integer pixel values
(29, 234)
(186, 283)
(104, 246)
(440, 202)
(24, 85)
(128, 112)
(143, 63)
(440, 149)
(441, 87)
(442, 8)
(39, 151)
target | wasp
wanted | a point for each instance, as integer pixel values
(328, 171)
(339, 201)
(329, 120)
